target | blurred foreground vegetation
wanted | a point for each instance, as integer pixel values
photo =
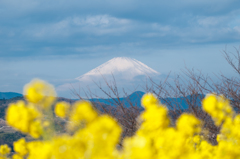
(81, 129)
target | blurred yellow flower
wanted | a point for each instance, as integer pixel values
(20, 147)
(61, 109)
(4, 149)
(218, 107)
(21, 116)
(149, 99)
(188, 124)
(82, 112)
(17, 156)
(36, 129)
(40, 92)
(99, 136)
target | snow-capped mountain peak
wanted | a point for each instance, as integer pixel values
(119, 67)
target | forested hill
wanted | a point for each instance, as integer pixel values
(9, 95)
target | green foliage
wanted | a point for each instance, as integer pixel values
(9, 138)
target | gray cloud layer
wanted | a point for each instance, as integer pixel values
(43, 28)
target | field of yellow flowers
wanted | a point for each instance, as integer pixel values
(93, 136)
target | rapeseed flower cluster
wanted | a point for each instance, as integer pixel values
(93, 136)
(24, 117)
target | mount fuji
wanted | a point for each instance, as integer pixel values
(127, 72)
(121, 68)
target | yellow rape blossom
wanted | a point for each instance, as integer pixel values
(197, 139)
(40, 92)
(99, 136)
(21, 116)
(17, 156)
(154, 118)
(188, 124)
(100, 132)
(36, 129)
(148, 100)
(20, 147)
(82, 112)
(137, 147)
(4, 149)
(61, 109)
(39, 150)
(218, 107)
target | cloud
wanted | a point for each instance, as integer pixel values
(45, 28)
(91, 25)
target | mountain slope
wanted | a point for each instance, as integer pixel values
(120, 68)
(8, 95)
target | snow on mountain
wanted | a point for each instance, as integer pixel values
(127, 72)
(121, 68)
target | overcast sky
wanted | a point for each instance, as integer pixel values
(61, 40)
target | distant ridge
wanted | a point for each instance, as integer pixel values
(120, 67)
(9, 95)
(170, 102)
